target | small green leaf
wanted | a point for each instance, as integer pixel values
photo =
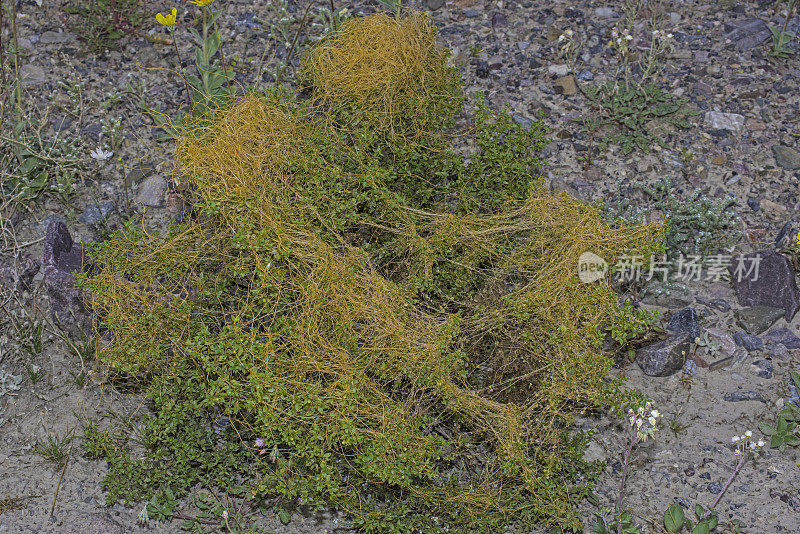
(674, 518)
(284, 516)
(702, 527)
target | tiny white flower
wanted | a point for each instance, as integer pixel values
(669, 36)
(628, 37)
(749, 433)
(224, 514)
(100, 155)
(560, 37)
(569, 33)
(761, 443)
(734, 439)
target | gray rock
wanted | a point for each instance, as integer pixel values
(786, 157)
(750, 343)
(747, 34)
(16, 274)
(603, 12)
(758, 319)
(151, 191)
(93, 132)
(685, 321)
(772, 282)
(32, 74)
(94, 214)
(50, 37)
(62, 258)
(741, 396)
(523, 121)
(664, 358)
(558, 70)
(433, 5)
(786, 236)
(723, 339)
(725, 121)
(762, 368)
(783, 336)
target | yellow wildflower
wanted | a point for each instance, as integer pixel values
(168, 20)
(798, 238)
(201, 3)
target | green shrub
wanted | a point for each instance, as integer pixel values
(338, 322)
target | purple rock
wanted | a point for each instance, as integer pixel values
(783, 336)
(499, 20)
(685, 321)
(750, 343)
(765, 278)
(747, 34)
(741, 396)
(63, 258)
(664, 358)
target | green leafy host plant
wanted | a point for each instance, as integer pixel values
(320, 334)
(786, 431)
(781, 38)
(636, 112)
(101, 24)
(211, 87)
(633, 110)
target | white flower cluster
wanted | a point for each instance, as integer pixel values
(644, 420)
(661, 36)
(566, 35)
(744, 444)
(620, 38)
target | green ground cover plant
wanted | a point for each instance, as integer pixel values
(357, 317)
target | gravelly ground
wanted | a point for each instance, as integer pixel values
(508, 50)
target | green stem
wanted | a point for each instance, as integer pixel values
(222, 55)
(788, 16)
(634, 439)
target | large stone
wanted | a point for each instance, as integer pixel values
(766, 278)
(783, 336)
(749, 342)
(786, 157)
(16, 274)
(63, 258)
(748, 34)
(725, 121)
(152, 191)
(566, 86)
(664, 358)
(685, 321)
(758, 319)
(51, 37)
(722, 339)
